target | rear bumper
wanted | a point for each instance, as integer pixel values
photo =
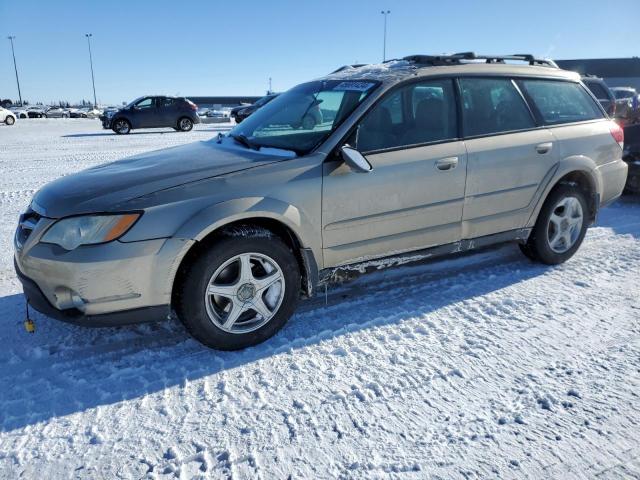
(37, 300)
(612, 177)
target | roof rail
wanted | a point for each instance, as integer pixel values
(462, 57)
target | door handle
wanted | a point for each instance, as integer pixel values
(447, 163)
(543, 148)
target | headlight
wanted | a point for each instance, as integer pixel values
(72, 232)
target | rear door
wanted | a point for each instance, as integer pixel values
(413, 197)
(508, 156)
(167, 112)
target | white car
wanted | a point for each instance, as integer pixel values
(92, 112)
(19, 112)
(7, 116)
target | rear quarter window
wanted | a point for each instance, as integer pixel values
(560, 102)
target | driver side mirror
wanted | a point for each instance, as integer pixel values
(356, 161)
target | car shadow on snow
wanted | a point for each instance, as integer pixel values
(64, 369)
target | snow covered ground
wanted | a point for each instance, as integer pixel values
(481, 366)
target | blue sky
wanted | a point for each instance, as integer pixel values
(232, 47)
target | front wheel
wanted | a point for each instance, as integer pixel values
(121, 126)
(308, 122)
(561, 226)
(185, 124)
(9, 120)
(240, 291)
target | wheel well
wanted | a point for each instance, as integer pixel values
(585, 183)
(277, 228)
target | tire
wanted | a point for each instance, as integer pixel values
(9, 120)
(121, 126)
(185, 124)
(65, 116)
(560, 227)
(308, 122)
(205, 315)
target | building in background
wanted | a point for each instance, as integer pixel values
(616, 72)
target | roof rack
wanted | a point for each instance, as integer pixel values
(462, 57)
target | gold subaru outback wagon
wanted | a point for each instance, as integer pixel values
(419, 156)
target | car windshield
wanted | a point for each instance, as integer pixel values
(304, 116)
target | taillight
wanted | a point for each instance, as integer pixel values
(617, 133)
(192, 105)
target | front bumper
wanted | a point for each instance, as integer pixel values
(109, 284)
(39, 301)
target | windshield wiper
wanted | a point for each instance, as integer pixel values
(243, 140)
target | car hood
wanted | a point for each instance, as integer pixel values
(104, 187)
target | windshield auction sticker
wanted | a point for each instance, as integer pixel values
(354, 86)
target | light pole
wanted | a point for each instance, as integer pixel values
(93, 82)
(11, 38)
(384, 42)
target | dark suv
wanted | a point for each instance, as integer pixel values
(153, 112)
(601, 91)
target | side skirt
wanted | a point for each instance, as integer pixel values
(344, 272)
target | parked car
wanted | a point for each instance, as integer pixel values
(231, 232)
(154, 112)
(242, 113)
(19, 112)
(56, 112)
(7, 116)
(632, 157)
(211, 113)
(234, 110)
(91, 112)
(601, 91)
(627, 104)
(106, 116)
(36, 112)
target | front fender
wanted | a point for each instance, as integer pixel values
(215, 216)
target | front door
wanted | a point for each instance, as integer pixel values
(508, 156)
(414, 195)
(144, 113)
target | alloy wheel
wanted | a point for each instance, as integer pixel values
(245, 293)
(185, 124)
(565, 224)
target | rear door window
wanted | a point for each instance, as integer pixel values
(561, 101)
(493, 105)
(166, 102)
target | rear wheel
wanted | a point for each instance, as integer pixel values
(9, 120)
(240, 291)
(185, 124)
(560, 228)
(121, 126)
